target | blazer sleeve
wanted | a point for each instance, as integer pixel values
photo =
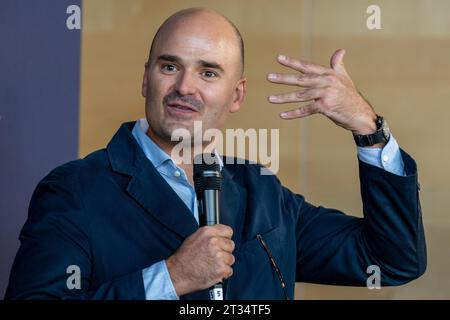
(335, 248)
(56, 236)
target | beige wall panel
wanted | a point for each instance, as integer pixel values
(404, 70)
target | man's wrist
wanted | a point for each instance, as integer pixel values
(178, 283)
(368, 125)
(369, 137)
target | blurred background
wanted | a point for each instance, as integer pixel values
(403, 69)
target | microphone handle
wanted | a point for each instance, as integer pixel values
(210, 209)
(210, 204)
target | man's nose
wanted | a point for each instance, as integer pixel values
(186, 84)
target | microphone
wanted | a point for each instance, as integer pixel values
(207, 180)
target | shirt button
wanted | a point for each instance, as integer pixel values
(177, 173)
(385, 158)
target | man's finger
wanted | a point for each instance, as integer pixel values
(229, 259)
(220, 230)
(302, 66)
(229, 273)
(299, 112)
(296, 79)
(227, 245)
(297, 96)
(337, 62)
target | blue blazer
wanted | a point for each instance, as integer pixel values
(113, 215)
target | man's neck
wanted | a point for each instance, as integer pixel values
(160, 142)
(167, 147)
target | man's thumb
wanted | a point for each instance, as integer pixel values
(337, 61)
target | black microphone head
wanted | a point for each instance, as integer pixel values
(207, 175)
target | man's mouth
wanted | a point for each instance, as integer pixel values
(181, 107)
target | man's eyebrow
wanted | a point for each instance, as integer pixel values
(212, 65)
(203, 63)
(168, 57)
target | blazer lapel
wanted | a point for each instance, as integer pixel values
(151, 191)
(232, 209)
(231, 204)
(147, 186)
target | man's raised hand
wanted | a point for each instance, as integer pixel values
(329, 91)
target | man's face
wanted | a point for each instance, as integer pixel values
(194, 74)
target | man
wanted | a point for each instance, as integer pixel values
(125, 217)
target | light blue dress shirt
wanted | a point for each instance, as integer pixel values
(157, 282)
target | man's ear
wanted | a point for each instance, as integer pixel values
(145, 81)
(238, 96)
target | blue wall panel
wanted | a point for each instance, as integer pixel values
(39, 107)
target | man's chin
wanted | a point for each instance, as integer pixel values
(178, 133)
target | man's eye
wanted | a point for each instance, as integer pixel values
(209, 74)
(168, 68)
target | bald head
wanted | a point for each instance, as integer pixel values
(212, 23)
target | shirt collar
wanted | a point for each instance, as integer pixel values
(151, 150)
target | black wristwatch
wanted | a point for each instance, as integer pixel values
(381, 135)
